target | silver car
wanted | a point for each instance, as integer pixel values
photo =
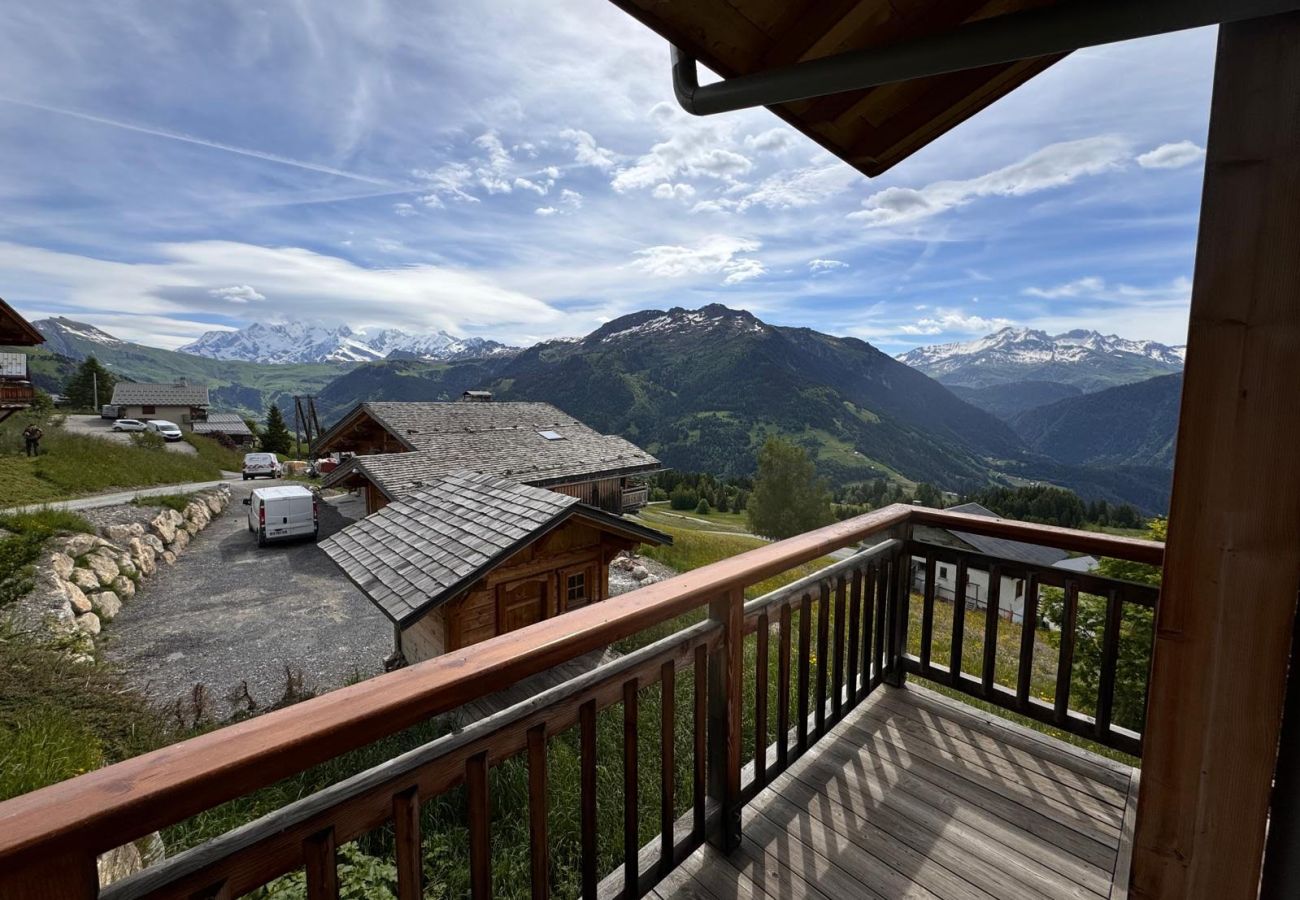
(128, 425)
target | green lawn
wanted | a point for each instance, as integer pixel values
(72, 465)
(661, 516)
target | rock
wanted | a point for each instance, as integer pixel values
(82, 659)
(103, 567)
(118, 534)
(154, 542)
(191, 528)
(198, 512)
(169, 557)
(62, 564)
(181, 540)
(124, 587)
(146, 559)
(76, 545)
(126, 565)
(107, 604)
(650, 579)
(84, 579)
(623, 563)
(89, 623)
(640, 573)
(165, 528)
(77, 599)
(216, 503)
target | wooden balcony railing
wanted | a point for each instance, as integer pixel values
(13, 365)
(635, 497)
(851, 636)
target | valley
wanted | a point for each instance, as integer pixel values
(702, 389)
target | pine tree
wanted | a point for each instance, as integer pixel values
(276, 437)
(81, 387)
(788, 497)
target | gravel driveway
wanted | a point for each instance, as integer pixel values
(99, 427)
(227, 612)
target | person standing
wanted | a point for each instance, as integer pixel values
(32, 435)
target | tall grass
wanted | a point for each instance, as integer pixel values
(21, 545)
(72, 465)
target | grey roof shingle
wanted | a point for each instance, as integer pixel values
(434, 542)
(222, 423)
(999, 548)
(495, 438)
(134, 393)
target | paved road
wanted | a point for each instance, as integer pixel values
(96, 426)
(227, 612)
(118, 498)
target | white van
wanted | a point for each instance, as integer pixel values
(280, 513)
(169, 431)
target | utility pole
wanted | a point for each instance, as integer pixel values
(94, 380)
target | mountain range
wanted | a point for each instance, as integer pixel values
(1016, 369)
(306, 342)
(703, 388)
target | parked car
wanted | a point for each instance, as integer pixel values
(261, 465)
(169, 431)
(280, 513)
(128, 425)
(108, 411)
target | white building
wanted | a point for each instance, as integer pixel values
(1011, 596)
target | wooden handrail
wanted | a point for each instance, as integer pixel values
(99, 810)
(1096, 543)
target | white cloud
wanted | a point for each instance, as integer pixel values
(236, 293)
(774, 140)
(714, 206)
(404, 209)
(1053, 166)
(1089, 285)
(447, 182)
(586, 151)
(541, 188)
(692, 148)
(668, 191)
(716, 254)
(825, 265)
(568, 201)
(180, 281)
(801, 187)
(493, 172)
(1172, 156)
(949, 321)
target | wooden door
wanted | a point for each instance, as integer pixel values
(520, 603)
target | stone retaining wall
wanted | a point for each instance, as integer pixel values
(82, 580)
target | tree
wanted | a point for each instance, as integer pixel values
(788, 497)
(80, 389)
(276, 437)
(703, 507)
(683, 498)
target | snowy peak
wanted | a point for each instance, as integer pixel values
(1087, 359)
(70, 338)
(304, 342)
(714, 318)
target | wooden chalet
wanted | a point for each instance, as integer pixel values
(469, 557)
(860, 782)
(16, 389)
(400, 447)
(182, 404)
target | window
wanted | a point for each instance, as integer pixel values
(575, 588)
(1020, 589)
(943, 572)
(551, 435)
(148, 410)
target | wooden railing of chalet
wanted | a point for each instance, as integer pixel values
(13, 365)
(635, 497)
(49, 839)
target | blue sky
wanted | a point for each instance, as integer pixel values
(519, 171)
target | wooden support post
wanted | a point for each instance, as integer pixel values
(1232, 562)
(725, 719)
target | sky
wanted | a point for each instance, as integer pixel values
(521, 172)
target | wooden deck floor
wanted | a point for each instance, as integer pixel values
(914, 795)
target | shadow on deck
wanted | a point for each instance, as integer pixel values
(914, 795)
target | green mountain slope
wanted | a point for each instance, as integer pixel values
(1010, 399)
(703, 388)
(1130, 425)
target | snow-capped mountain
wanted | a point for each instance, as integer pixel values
(304, 342)
(69, 338)
(1086, 359)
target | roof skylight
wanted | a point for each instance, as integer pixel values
(551, 435)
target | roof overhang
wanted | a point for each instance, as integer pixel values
(873, 81)
(15, 331)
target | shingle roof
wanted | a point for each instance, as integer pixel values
(496, 438)
(999, 548)
(434, 542)
(223, 423)
(134, 393)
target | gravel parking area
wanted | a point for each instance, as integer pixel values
(99, 427)
(228, 613)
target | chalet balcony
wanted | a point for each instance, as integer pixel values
(16, 391)
(635, 498)
(767, 746)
